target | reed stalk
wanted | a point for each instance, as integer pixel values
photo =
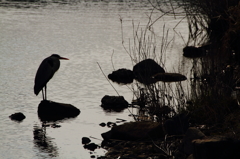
(154, 97)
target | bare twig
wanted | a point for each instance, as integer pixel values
(107, 79)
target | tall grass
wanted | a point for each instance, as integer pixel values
(157, 100)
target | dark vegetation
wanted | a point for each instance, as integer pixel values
(212, 102)
(215, 77)
(214, 35)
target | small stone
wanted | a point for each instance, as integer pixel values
(110, 124)
(85, 140)
(115, 103)
(102, 124)
(17, 116)
(121, 76)
(91, 146)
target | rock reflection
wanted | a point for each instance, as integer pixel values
(43, 142)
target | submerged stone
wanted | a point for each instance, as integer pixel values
(144, 70)
(17, 116)
(169, 77)
(53, 111)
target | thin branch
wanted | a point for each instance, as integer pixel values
(107, 79)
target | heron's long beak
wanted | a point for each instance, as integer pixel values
(63, 58)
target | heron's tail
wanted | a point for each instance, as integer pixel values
(36, 90)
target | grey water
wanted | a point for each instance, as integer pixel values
(90, 35)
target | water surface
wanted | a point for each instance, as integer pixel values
(87, 34)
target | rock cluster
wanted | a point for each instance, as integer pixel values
(146, 72)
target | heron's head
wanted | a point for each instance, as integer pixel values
(59, 57)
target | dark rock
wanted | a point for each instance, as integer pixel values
(169, 77)
(216, 147)
(102, 124)
(91, 146)
(115, 103)
(121, 76)
(107, 135)
(85, 140)
(52, 111)
(144, 70)
(178, 125)
(194, 52)
(17, 116)
(135, 131)
(191, 134)
(110, 124)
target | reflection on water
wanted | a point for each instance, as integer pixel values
(43, 142)
(87, 33)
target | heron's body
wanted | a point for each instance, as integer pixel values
(45, 72)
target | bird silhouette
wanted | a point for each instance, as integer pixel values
(45, 72)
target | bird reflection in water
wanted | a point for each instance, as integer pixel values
(43, 142)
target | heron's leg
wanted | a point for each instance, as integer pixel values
(45, 92)
(42, 94)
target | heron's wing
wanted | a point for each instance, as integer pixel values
(44, 73)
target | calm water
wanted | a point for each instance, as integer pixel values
(87, 34)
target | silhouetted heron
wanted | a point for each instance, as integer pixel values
(45, 72)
